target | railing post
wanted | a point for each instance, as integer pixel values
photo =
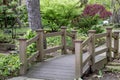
(116, 44)
(73, 39)
(23, 56)
(40, 44)
(78, 59)
(64, 50)
(109, 43)
(92, 48)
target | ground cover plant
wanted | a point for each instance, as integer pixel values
(9, 65)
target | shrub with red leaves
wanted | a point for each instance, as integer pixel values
(96, 9)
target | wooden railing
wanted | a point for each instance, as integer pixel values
(40, 53)
(93, 52)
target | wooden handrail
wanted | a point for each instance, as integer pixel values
(100, 35)
(69, 34)
(86, 60)
(52, 49)
(32, 57)
(101, 51)
(87, 41)
(53, 34)
(34, 39)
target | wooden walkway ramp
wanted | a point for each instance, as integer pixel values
(68, 66)
(59, 68)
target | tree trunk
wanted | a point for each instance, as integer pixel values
(33, 7)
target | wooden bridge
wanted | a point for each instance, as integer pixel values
(68, 66)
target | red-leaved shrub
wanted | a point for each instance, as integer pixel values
(96, 9)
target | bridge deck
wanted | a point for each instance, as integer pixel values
(60, 68)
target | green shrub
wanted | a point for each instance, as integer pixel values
(5, 38)
(9, 65)
(98, 28)
(57, 13)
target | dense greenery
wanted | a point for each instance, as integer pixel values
(57, 13)
(54, 14)
(9, 65)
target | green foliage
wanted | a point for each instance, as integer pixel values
(98, 28)
(5, 38)
(9, 65)
(7, 12)
(85, 23)
(56, 13)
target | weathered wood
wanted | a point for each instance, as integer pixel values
(78, 59)
(53, 34)
(53, 49)
(87, 41)
(100, 64)
(34, 39)
(100, 35)
(101, 51)
(113, 49)
(70, 47)
(116, 44)
(32, 57)
(63, 40)
(74, 32)
(92, 47)
(40, 44)
(87, 60)
(69, 34)
(23, 56)
(109, 41)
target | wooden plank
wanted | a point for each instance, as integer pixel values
(86, 41)
(53, 49)
(70, 47)
(113, 49)
(60, 68)
(87, 60)
(101, 51)
(100, 64)
(53, 34)
(100, 35)
(31, 58)
(70, 34)
(34, 39)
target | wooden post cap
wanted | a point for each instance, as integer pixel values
(109, 28)
(78, 41)
(39, 30)
(22, 39)
(92, 31)
(74, 31)
(63, 27)
(116, 32)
